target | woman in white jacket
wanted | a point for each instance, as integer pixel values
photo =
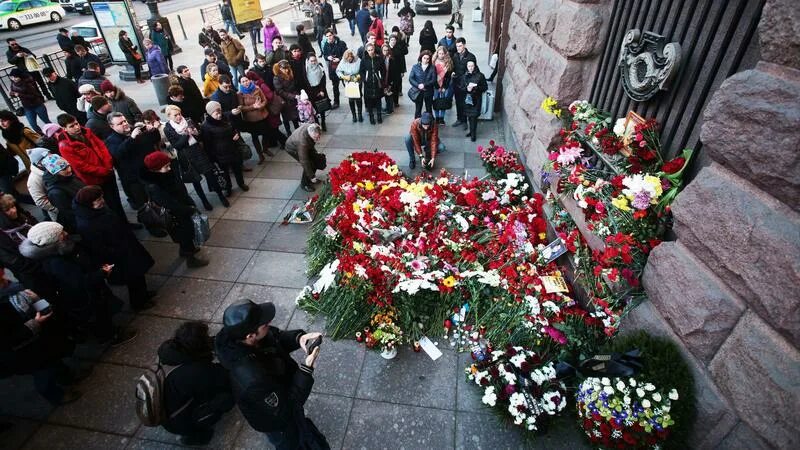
(349, 71)
(36, 185)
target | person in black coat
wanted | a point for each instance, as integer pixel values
(460, 60)
(192, 97)
(372, 74)
(85, 57)
(218, 137)
(66, 94)
(64, 42)
(83, 295)
(110, 241)
(167, 190)
(393, 78)
(303, 41)
(197, 391)
(427, 37)
(128, 146)
(62, 185)
(33, 343)
(269, 386)
(17, 55)
(72, 65)
(473, 83)
(132, 54)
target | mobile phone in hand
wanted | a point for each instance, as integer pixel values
(310, 346)
(43, 306)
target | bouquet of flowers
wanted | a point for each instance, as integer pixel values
(498, 161)
(302, 213)
(518, 381)
(624, 413)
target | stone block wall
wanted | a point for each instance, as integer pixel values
(727, 290)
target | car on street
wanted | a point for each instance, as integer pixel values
(78, 6)
(433, 6)
(14, 14)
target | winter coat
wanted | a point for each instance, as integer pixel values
(194, 106)
(28, 92)
(156, 61)
(91, 57)
(406, 15)
(210, 85)
(300, 146)
(109, 240)
(127, 47)
(460, 63)
(217, 137)
(89, 159)
(167, 190)
(427, 40)
(349, 8)
(129, 153)
(393, 78)
(61, 191)
(265, 73)
(65, 43)
(66, 94)
(326, 13)
(209, 38)
(227, 100)
(419, 134)
(38, 191)
(163, 41)
(250, 114)
(223, 67)
(335, 50)
(399, 51)
(233, 51)
(125, 105)
(98, 124)
(305, 45)
(377, 27)
(93, 78)
(474, 110)
(273, 120)
(287, 89)
(268, 384)
(426, 77)
(72, 65)
(270, 33)
(18, 61)
(363, 20)
(299, 73)
(189, 156)
(27, 271)
(198, 380)
(20, 148)
(372, 75)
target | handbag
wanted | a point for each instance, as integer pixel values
(136, 55)
(320, 161)
(275, 105)
(245, 149)
(202, 231)
(443, 103)
(219, 175)
(413, 93)
(352, 89)
(155, 218)
(321, 106)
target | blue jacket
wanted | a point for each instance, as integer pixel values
(363, 20)
(156, 62)
(427, 77)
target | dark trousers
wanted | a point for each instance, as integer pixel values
(355, 106)
(335, 81)
(111, 196)
(236, 168)
(284, 440)
(183, 234)
(169, 62)
(460, 96)
(472, 121)
(137, 70)
(418, 105)
(137, 291)
(305, 180)
(46, 381)
(136, 192)
(37, 76)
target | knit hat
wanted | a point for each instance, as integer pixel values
(17, 72)
(98, 102)
(88, 194)
(303, 95)
(106, 86)
(54, 164)
(156, 160)
(45, 233)
(426, 118)
(50, 129)
(86, 88)
(36, 154)
(212, 106)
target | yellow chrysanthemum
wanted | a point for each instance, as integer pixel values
(449, 281)
(621, 203)
(549, 105)
(655, 182)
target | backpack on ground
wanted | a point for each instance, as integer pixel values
(150, 394)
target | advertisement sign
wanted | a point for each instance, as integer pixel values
(112, 16)
(247, 10)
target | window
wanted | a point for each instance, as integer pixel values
(24, 6)
(40, 3)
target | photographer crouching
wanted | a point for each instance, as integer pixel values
(270, 387)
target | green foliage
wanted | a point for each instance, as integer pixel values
(664, 367)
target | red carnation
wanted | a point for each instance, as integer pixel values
(673, 166)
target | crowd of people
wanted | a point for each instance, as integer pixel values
(102, 140)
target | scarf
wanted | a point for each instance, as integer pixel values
(182, 128)
(249, 90)
(314, 74)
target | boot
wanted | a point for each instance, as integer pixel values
(207, 205)
(355, 117)
(335, 103)
(371, 117)
(223, 200)
(194, 261)
(360, 117)
(322, 124)
(380, 117)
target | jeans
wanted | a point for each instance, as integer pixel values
(231, 25)
(425, 147)
(236, 73)
(352, 23)
(381, 9)
(32, 113)
(439, 113)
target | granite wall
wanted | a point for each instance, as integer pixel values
(726, 290)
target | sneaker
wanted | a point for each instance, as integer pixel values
(244, 187)
(122, 337)
(194, 262)
(412, 165)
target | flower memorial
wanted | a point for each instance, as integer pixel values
(624, 412)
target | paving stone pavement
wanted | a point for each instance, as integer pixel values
(359, 400)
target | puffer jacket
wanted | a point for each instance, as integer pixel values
(28, 92)
(269, 386)
(425, 77)
(90, 159)
(217, 137)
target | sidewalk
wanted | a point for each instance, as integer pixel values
(359, 399)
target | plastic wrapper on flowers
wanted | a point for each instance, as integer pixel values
(520, 385)
(624, 412)
(425, 246)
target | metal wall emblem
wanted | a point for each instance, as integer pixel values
(647, 64)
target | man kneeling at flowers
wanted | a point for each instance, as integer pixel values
(423, 136)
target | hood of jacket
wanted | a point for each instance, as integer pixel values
(278, 73)
(230, 350)
(70, 184)
(172, 354)
(91, 75)
(92, 114)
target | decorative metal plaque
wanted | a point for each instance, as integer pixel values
(647, 64)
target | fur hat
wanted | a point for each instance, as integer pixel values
(54, 164)
(88, 194)
(156, 160)
(86, 88)
(45, 233)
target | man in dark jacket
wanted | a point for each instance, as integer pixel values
(16, 55)
(460, 60)
(91, 75)
(349, 8)
(97, 117)
(192, 97)
(197, 391)
(449, 41)
(270, 387)
(213, 58)
(363, 20)
(129, 146)
(332, 50)
(64, 42)
(301, 147)
(66, 94)
(85, 57)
